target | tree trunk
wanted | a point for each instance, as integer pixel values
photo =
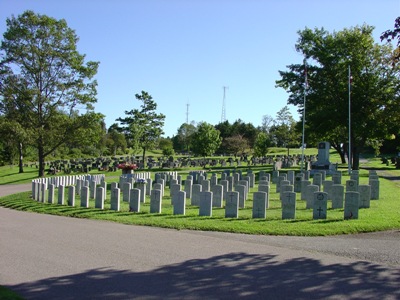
(356, 158)
(143, 157)
(20, 163)
(41, 160)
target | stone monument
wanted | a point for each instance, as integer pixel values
(323, 163)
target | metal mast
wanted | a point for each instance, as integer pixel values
(223, 115)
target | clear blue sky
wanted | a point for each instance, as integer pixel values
(184, 52)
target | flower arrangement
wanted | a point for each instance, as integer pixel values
(126, 166)
(141, 180)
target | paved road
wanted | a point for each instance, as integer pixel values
(51, 257)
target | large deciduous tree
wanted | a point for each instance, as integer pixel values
(206, 140)
(45, 80)
(143, 127)
(374, 105)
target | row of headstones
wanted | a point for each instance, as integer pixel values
(69, 179)
(175, 189)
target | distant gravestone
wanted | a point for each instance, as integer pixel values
(337, 178)
(205, 207)
(232, 205)
(365, 195)
(259, 205)
(205, 185)
(317, 180)
(174, 189)
(134, 200)
(99, 201)
(180, 203)
(266, 189)
(337, 196)
(351, 205)
(320, 205)
(155, 201)
(285, 188)
(289, 205)
(297, 183)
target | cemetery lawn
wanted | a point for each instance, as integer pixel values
(384, 214)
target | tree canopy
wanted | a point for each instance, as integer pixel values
(143, 127)
(45, 81)
(374, 87)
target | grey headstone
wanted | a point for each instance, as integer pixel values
(241, 189)
(337, 196)
(205, 207)
(155, 201)
(50, 198)
(196, 190)
(71, 195)
(99, 201)
(180, 203)
(289, 205)
(259, 205)
(365, 195)
(115, 199)
(310, 190)
(374, 189)
(85, 196)
(351, 186)
(232, 205)
(188, 188)
(218, 195)
(327, 186)
(61, 193)
(351, 205)
(320, 205)
(304, 184)
(134, 200)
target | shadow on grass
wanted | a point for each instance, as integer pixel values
(233, 275)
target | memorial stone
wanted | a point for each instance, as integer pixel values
(135, 200)
(310, 190)
(320, 205)
(155, 201)
(85, 196)
(351, 205)
(259, 205)
(232, 205)
(71, 195)
(61, 193)
(180, 203)
(337, 196)
(115, 199)
(99, 201)
(218, 195)
(365, 195)
(205, 207)
(289, 205)
(196, 190)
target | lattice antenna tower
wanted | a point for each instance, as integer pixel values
(223, 115)
(187, 113)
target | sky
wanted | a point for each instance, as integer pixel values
(183, 53)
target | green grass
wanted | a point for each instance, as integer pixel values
(7, 294)
(383, 214)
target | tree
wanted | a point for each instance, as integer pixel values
(374, 88)
(183, 138)
(262, 144)
(284, 130)
(115, 139)
(390, 35)
(206, 140)
(43, 76)
(143, 127)
(235, 144)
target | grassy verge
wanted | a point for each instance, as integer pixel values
(383, 214)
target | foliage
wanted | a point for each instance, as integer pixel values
(390, 35)
(45, 80)
(262, 144)
(206, 139)
(235, 145)
(183, 139)
(375, 109)
(143, 127)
